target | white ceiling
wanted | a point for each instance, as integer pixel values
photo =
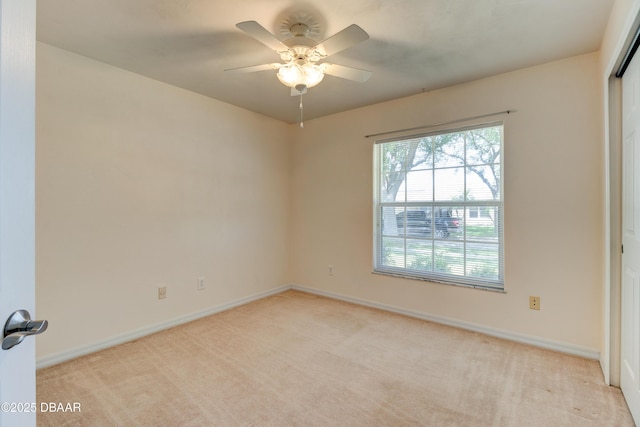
(414, 45)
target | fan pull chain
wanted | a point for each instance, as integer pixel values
(301, 111)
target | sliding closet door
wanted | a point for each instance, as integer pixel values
(630, 321)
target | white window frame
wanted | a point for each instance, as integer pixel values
(496, 284)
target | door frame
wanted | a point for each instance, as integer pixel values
(612, 132)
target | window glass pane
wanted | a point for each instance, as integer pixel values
(392, 254)
(483, 182)
(449, 257)
(483, 260)
(449, 184)
(449, 149)
(449, 222)
(423, 158)
(420, 255)
(418, 221)
(420, 185)
(392, 187)
(485, 226)
(392, 221)
(483, 145)
(394, 156)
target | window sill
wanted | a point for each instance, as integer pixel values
(440, 282)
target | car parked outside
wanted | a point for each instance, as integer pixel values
(418, 222)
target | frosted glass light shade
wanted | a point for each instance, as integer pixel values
(294, 74)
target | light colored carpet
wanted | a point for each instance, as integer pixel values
(296, 359)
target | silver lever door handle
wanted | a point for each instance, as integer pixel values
(18, 326)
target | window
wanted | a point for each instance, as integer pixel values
(439, 207)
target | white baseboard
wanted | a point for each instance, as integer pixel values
(151, 329)
(64, 356)
(575, 350)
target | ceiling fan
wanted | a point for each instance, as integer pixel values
(301, 55)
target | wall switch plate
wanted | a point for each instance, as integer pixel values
(331, 270)
(162, 292)
(201, 284)
(534, 303)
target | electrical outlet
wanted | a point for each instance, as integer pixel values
(201, 284)
(534, 303)
(162, 292)
(331, 271)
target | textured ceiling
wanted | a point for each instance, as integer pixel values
(414, 45)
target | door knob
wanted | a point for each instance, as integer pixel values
(18, 326)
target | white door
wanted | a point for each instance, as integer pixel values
(17, 204)
(630, 321)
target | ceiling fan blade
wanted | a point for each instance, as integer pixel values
(342, 40)
(344, 72)
(261, 34)
(254, 68)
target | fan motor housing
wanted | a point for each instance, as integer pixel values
(300, 30)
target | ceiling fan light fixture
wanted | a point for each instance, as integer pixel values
(294, 74)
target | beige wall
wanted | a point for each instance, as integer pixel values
(141, 184)
(553, 203)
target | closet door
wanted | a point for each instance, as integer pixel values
(630, 319)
